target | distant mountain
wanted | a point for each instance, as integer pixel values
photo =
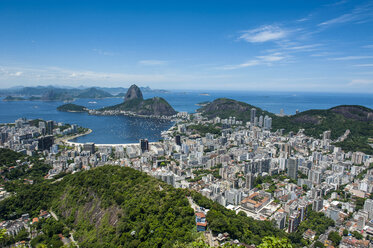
(94, 93)
(56, 95)
(70, 107)
(134, 102)
(122, 90)
(52, 93)
(358, 119)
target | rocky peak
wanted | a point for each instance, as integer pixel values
(133, 92)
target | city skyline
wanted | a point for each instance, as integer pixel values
(288, 46)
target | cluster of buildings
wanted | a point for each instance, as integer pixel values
(30, 136)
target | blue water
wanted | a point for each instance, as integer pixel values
(122, 129)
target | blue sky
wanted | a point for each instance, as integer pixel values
(237, 45)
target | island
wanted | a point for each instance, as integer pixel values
(13, 98)
(70, 107)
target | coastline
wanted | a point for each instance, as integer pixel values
(68, 138)
(129, 113)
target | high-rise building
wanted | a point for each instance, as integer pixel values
(317, 204)
(178, 140)
(45, 142)
(326, 135)
(49, 127)
(292, 168)
(260, 121)
(252, 116)
(89, 147)
(250, 180)
(3, 137)
(368, 207)
(315, 176)
(233, 196)
(293, 223)
(144, 145)
(267, 122)
(302, 211)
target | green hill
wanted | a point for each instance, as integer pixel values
(224, 108)
(13, 98)
(358, 119)
(153, 106)
(70, 107)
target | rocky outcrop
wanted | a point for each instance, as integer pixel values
(133, 92)
(354, 112)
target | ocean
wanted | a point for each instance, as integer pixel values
(124, 129)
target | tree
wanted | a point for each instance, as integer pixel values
(345, 232)
(357, 235)
(2, 234)
(335, 238)
(305, 187)
(273, 242)
(318, 244)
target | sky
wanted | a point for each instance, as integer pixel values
(267, 45)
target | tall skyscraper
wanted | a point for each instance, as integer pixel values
(252, 116)
(144, 145)
(49, 126)
(368, 207)
(178, 140)
(260, 121)
(250, 180)
(45, 142)
(89, 147)
(292, 168)
(267, 122)
(326, 135)
(317, 204)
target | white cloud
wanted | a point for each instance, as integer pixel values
(271, 57)
(362, 82)
(16, 74)
(264, 34)
(368, 46)
(304, 48)
(69, 77)
(243, 65)
(360, 14)
(105, 53)
(364, 65)
(259, 60)
(152, 62)
(352, 58)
